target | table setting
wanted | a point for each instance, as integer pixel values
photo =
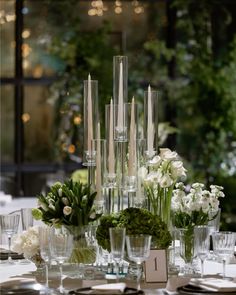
(135, 227)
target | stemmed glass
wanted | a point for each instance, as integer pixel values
(44, 241)
(223, 246)
(61, 245)
(26, 218)
(138, 247)
(9, 225)
(117, 241)
(202, 243)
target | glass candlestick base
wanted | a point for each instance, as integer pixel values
(110, 180)
(121, 134)
(130, 184)
(149, 155)
(90, 158)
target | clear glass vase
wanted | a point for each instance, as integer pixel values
(186, 239)
(85, 245)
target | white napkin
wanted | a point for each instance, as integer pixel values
(213, 284)
(110, 287)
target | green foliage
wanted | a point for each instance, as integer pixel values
(136, 221)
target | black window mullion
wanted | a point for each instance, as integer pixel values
(19, 132)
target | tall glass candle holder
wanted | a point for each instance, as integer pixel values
(110, 177)
(151, 123)
(130, 184)
(91, 115)
(120, 94)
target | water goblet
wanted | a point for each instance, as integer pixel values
(9, 225)
(44, 241)
(202, 243)
(223, 246)
(117, 241)
(61, 245)
(138, 248)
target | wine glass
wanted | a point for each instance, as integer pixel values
(223, 246)
(9, 225)
(138, 247)
(202, 243)
(117, 241)
(44, 241)
(61, 245)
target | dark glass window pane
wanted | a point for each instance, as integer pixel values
(7, 44)
(7, 124)
(38, 122)
(37, 35)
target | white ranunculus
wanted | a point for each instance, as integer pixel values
(67, 210)
(165, 181)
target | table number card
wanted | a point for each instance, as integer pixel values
(156, 267)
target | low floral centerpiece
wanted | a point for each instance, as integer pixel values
(136, 221)
(192, 207)
(27, 243)
(159, 179)
(70, 204)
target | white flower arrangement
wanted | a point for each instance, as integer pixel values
(27, 243)
(193, 207)
(159, 179)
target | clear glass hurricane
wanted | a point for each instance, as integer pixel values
(9, 225)
(117, 242)
(202, 243)
(44, 241)
(61, 245)
(223, 246)
(138, 248)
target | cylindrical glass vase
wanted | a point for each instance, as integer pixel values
(90, 120)
(151, 123)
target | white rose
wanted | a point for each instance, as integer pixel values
(165, 181)
(67, 210)
(167, 154)
(156, 161)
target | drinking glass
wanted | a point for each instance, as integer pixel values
(223, 246)
(61, 245)
(9, 225)
(117, 241)
(202, 243)
(138, 248)
(44, 241)
(26, 218)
